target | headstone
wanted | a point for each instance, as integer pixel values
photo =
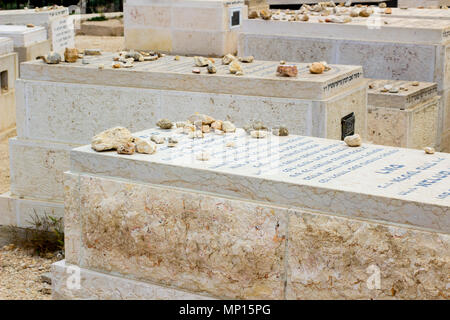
(406, 115)
(8, 75)
(63, 106)
(262, 220)
(391, 48)
(56, 20)
(205, 27)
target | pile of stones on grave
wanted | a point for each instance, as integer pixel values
(127, 59)
(325, 11)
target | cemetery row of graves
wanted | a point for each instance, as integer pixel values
(236, 151)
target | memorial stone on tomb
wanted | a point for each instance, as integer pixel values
(400, 49)
(205, 27)
(8, 75)
(403, 113)
(63, 106)
(264, 219)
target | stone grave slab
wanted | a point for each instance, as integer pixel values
(402, 49)
(422, 3)
(206, 27)
(8, 76)
(63, 106)
(262, 219)
(407, 118)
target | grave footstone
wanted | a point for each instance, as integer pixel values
(269, 216)
(403, 113)
(401, 49)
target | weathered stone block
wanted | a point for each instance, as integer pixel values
(407, 118)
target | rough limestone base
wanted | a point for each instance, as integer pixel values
(233, 248)
(100, 286)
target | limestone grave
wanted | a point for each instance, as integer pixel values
(62, 106)
(29, 42)
(270, 218)
(56, 20)
(204, 27)
(403, 113)
(8, 75)
(402, 49)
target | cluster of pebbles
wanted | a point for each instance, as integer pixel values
(126, 59)
(195, 127)
(327, 11)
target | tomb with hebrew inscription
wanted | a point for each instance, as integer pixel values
(242, 216)
(62, 106)
(206, 27)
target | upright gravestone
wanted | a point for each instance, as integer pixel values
(8, 75)
(387, 48)
(277, 218)
(205, 27)
(63, 106)
(403, 113)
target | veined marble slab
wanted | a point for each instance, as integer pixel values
(259, 79)
(369, 182)
(22, 35)
(6, 46)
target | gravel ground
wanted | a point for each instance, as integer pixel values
(20, 275)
